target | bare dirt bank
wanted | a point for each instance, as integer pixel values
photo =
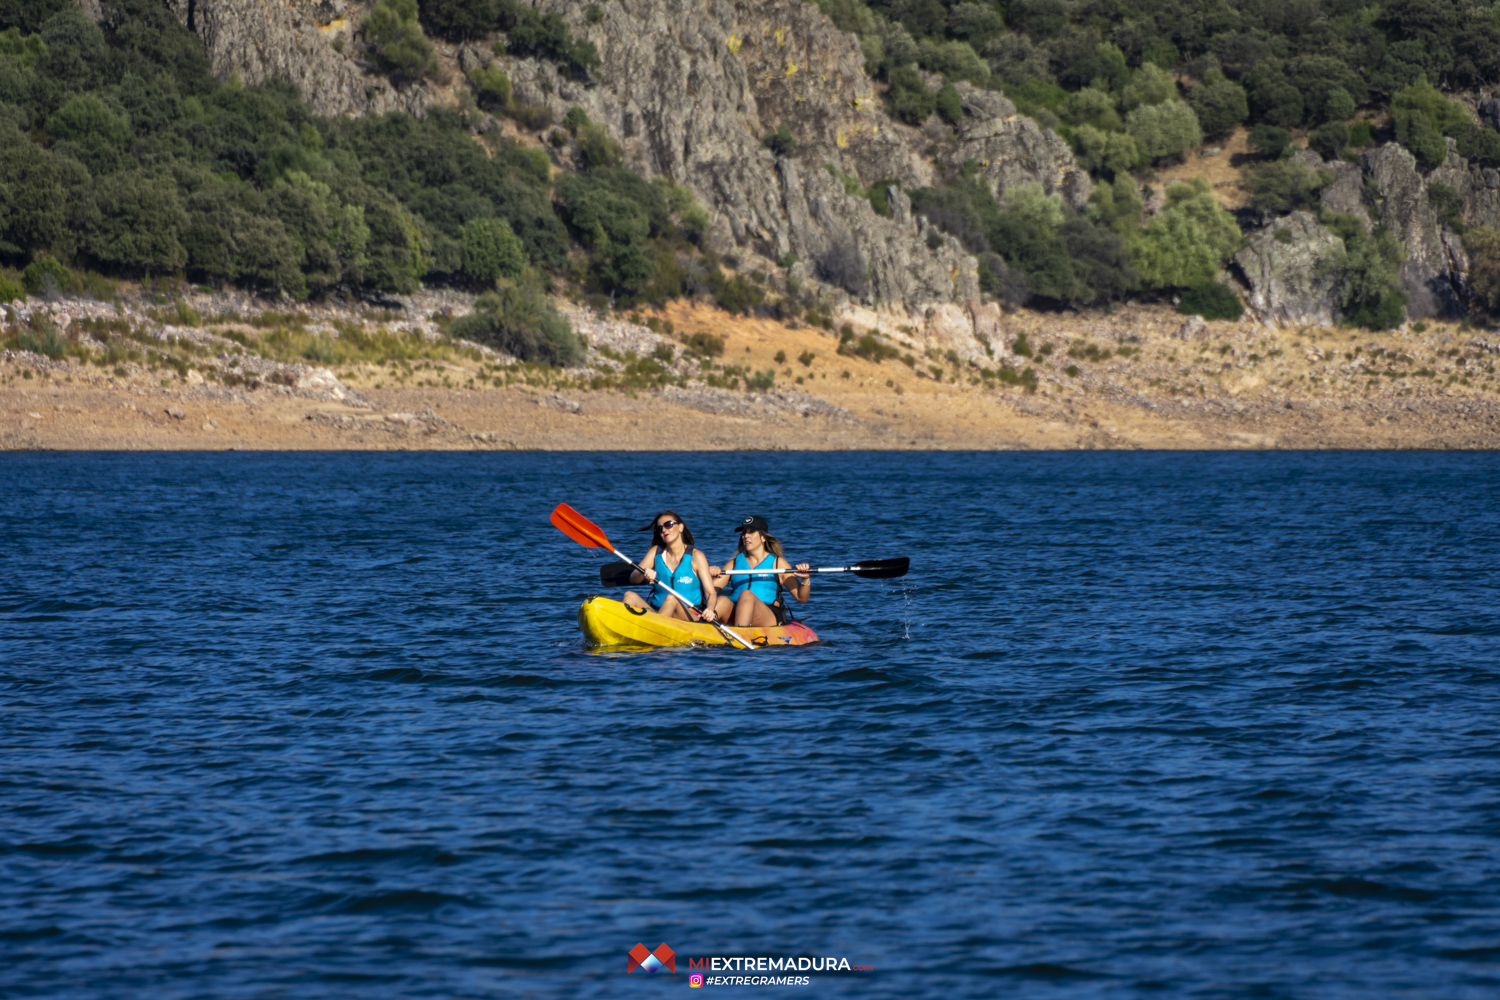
(1140, 378)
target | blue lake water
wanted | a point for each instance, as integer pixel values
(1136, 725)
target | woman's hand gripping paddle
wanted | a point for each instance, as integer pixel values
(588, 534)
(615, 575)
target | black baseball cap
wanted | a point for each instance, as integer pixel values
(754, 524)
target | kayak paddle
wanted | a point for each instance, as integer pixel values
(590, 535)
(870, 569)
(617, 575)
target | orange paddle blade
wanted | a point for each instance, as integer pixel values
(579, 528)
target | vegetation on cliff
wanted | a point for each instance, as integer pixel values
(120, 153)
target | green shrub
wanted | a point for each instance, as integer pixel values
(46, 341)
(491, 250)
(1188, 241)
(1148, 85)
(780, 142)
(597, 149)
(546, 36)
(492, 85)
(1424, 118)
(909, 98)
(1219, 106)
(1479, 144)
(45, 277)
(457, 20)
(1283, 186)
(1211, 300)
(396, 41)
(1269, 141)
(533, 117)
(1329, 140)
(705, 344)
(1362, 135)
(865, 346)
(734, 295)
(1368, 279)
(1094, 107)
(10, 289)
(1340, 105)
(520, 320)
(1420, 134)
(1164, 129)
(948, 104)
(1106, 152)
(879, 194)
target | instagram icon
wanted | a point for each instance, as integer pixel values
(696, 979)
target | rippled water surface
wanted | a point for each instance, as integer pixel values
(1136, 725)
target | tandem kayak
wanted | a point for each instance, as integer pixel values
(612, 623)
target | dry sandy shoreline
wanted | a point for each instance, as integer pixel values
(1166, 384)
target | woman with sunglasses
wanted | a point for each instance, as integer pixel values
(673, 560)
(755, 598)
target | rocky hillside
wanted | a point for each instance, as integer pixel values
(868, 161)
(689, 90)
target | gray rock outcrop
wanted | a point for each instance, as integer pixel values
(1012, 149)
(1292, 268)
(1345, 193)
(1402, 206)
(308, 43)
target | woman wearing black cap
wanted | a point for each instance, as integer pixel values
(673, 561)
(755, 598)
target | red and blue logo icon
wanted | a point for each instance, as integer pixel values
(652, 961)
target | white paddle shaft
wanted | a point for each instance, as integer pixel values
(687, 604)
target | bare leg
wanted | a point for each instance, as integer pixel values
(672, 608)
(634, 600)
(723, 607)
(751, 612)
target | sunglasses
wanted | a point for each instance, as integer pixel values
(668, 524)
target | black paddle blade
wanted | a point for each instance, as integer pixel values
(881, 569)
(616, 574)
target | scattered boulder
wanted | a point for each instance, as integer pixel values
(176, 413)
(554, 401)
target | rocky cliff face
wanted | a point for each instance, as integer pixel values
(305, 42)
(689, 87)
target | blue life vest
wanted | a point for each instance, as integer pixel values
(683, 580)
(766, 586)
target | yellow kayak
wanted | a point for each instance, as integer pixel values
(612, 623)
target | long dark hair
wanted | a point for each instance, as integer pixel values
(656, 539)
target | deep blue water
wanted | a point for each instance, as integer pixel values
(1136, 725)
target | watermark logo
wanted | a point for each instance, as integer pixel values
(695, 980)
(652, 961)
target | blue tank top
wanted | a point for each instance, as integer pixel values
(683, 580)
(766, 586)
